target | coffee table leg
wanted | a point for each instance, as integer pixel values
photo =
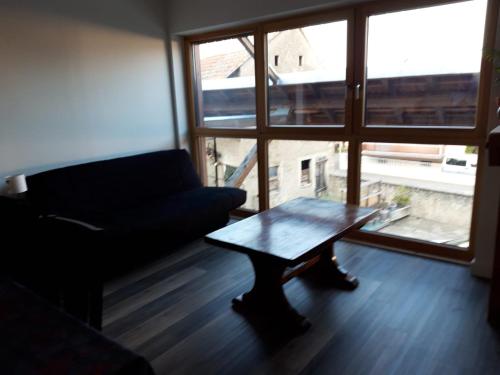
(267, 297)
(329, 271)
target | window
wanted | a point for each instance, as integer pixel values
(225, 88)
(297, 160)
(425, 76)
(232, 162)
(356, 112)
(321, 184)
(311, 92)
(274, 182)
(430, 203)
(305, 172)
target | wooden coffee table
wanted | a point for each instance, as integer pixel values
(297, 235)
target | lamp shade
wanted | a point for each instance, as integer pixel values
(17, 184)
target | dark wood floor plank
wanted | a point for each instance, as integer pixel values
(190, 324)
(205, 291)
(410, 315)
(168, 301)
(148, 295)
(167, 269)
(146, 270)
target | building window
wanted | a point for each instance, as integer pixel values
(274, 182)
(305, 172)
(276, 60)
(300, 60)
(321, 185)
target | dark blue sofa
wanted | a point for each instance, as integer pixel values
(97, 220)
(153, 196)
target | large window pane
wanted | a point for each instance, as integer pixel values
(423, 191)
(307, 169)
(233, 162)
(423, 66)
(225, 83)
(307, 73)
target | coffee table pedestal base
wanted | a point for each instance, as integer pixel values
(329, 272)
(286, 318)
(267, 301)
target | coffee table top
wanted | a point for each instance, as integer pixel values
(294, 231)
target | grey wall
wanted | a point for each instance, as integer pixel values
(188, 16)
(81, 80)
(178, 89)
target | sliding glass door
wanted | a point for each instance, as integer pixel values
(420, 123)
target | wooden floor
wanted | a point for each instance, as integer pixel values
(410, 315)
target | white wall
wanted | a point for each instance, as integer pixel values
(81, 81)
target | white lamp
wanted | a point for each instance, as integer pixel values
(17, 184)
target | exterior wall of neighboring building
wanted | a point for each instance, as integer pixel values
(287, 156)
(289, 46)
(450, 208)
(412, 151)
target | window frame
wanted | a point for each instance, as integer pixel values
(354, 130)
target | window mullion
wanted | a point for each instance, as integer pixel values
(261, 115)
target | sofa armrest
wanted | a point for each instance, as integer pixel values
(79, 223)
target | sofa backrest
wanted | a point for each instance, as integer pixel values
(112, 183)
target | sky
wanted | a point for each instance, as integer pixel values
(435, 40)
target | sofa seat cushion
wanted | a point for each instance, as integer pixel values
(181, 213)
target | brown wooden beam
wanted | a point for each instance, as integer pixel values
(243, 169)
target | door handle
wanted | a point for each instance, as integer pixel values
(356, 88)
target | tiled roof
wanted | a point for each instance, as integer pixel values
(222, 65)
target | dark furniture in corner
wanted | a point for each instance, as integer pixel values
(97, 220)
(494, 309)
(37, 338)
